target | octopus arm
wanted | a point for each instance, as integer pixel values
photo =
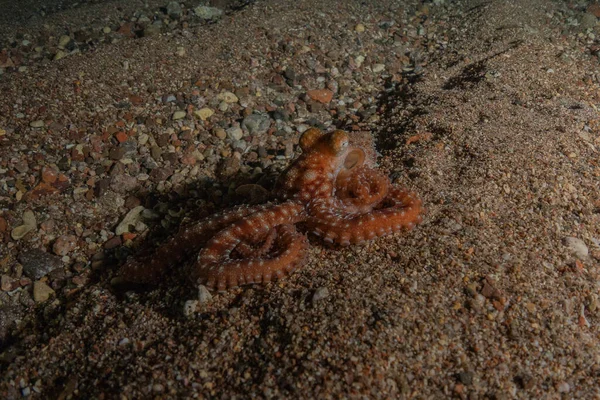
(150, 268)
(217, 267)
(400, 210)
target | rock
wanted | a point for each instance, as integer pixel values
(37, 124)
(588, 21)
(576, 246)
(153, 29)
(59, 54)
(20, 231)
(41, 292)
(29, 224)
(227, 97)
(204, 113)
(320, 294)
(64, 245)
(256, 124)
(235, 133)
(378, 68)
(563, 387)
(63, 41)
(220, 133)
(179, 115)
(204, 295)
(206, 12)
(228, 167)
(131, 219)
(49, 175)
(37, 263)
(174, 10)
(189, 307)
(123, 183)
(321, 95)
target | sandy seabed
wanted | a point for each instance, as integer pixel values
(488, 110)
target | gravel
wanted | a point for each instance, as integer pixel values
(487, 110)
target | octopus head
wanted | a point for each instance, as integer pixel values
(336, 145)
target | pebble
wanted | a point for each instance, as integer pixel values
(64, 245)
(227, 97)
(29, 224)
(256, 124)
(123, 183)
(130, 219)
(577, 247)
(59, 54)
(204, 113)
(321, 95)
(220, 133)
(174, 10)
(235, 133)
(179, 115)
(189, 307)
(206, 12)
(320, 294)
(37, 263)
(41, 291)
(204, 295)
(37, 124)
(63, 41)
(563, 387)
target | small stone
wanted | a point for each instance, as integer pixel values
(130, 219)
(204, 295)
(320, 294)
(112, 243)
(20, 231)
(359, 28)
(63, 41)
(37, 263)
(206, 12)
(59, 54)
(321, 95)
(227, 97)
(466, 377)
(64, 245)
(37, 124)
(378, 68)
(228, 167)
(235, 133)
(220, 133)
(41, 292)
(577, 247)
(204, 113)
(49, 175)
(189, 307)
(179, 115)
(256, 124)
(174, 10)
(123, 183)
(563, 387)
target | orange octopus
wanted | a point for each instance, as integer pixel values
(332, 189)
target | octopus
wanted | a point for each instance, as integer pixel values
(333, 190)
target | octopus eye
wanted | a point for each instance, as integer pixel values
(339, 141)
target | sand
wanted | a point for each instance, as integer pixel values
(488, 110)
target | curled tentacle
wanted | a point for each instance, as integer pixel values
(399, 210)
(217, 266)
(360, 191)
(190, 239)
